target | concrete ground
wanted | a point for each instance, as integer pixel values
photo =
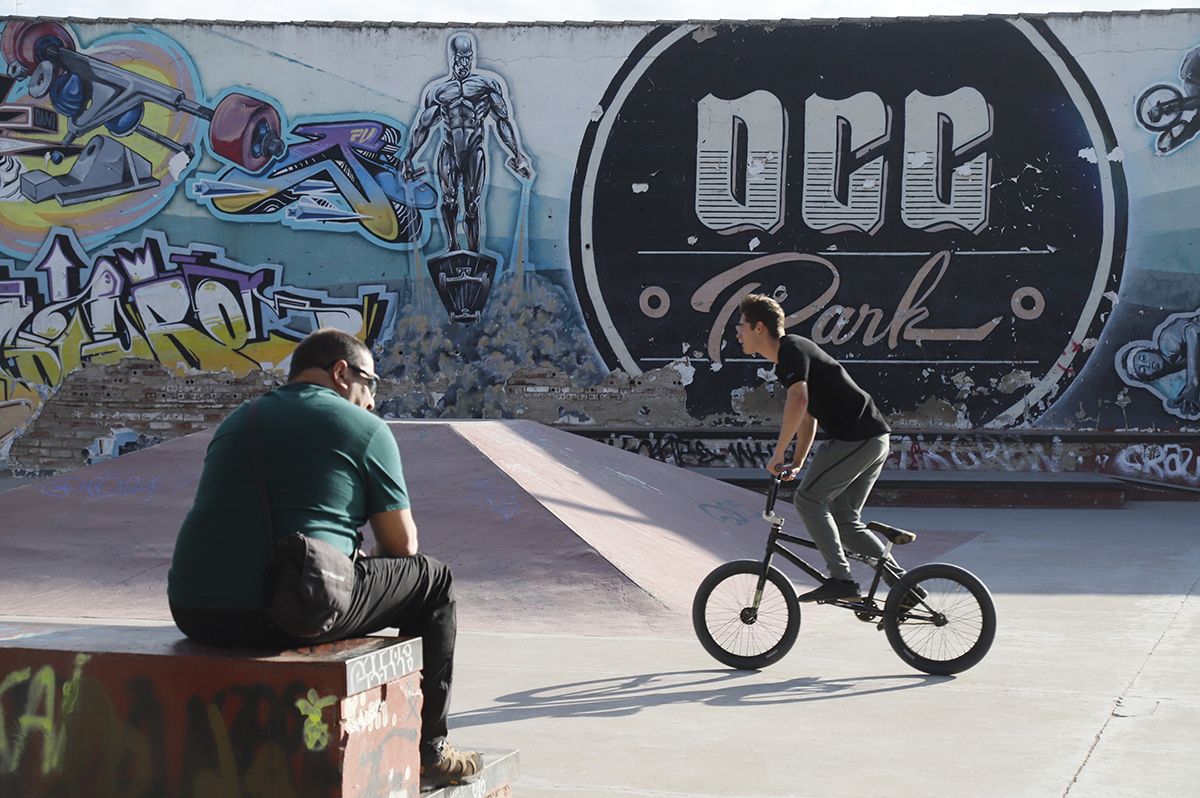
(1090, 689)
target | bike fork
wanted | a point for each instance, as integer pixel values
(766, 565)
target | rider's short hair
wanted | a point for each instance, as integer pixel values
(760, 307)
(325, 347)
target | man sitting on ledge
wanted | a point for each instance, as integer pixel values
(329, 465)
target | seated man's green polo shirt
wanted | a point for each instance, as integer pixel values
(328, 465)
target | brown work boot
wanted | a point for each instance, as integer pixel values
(448, 765)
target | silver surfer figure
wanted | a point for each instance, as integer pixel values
(462, 102)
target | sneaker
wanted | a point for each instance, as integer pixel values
(832, 590)
(913, 598)
(450, 766)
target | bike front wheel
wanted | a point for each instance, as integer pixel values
(1160, 107)
(948, 629)
(735, 631)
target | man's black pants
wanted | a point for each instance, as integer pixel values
(413, 594)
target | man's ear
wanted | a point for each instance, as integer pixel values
(337, 372)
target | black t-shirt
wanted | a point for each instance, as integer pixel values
(845, 411)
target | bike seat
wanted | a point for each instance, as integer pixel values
(898, 537)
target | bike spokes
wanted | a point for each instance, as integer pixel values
(946, 624)
(737, 625)
(737, 630)
(950, 628)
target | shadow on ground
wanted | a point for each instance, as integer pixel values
(627, 695)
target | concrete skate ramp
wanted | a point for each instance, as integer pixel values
(96, 542)
(544, 530)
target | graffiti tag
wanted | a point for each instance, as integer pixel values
(97, 488)
(316, 730)
(43, 714)
(189, 308)
(342, 174)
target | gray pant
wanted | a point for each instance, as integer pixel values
(831, 495)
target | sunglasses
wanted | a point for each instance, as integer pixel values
(371, 380)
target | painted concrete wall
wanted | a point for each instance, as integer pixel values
(992, 222)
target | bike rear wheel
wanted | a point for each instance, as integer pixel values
(947, 631)
(731, 629)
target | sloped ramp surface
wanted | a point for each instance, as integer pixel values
(97, 542)
(516, 565)
(657, 525)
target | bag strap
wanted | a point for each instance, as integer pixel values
(256, 457)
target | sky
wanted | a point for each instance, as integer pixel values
(550, 10)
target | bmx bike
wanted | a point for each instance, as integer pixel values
(939, 618)
(1162, 106)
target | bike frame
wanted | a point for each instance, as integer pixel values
(1181, 104)
(776, 544)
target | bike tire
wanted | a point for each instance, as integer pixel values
(1144, 112)
(718, 621)
(968, 608)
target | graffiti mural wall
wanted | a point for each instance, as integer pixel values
(557, 221)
